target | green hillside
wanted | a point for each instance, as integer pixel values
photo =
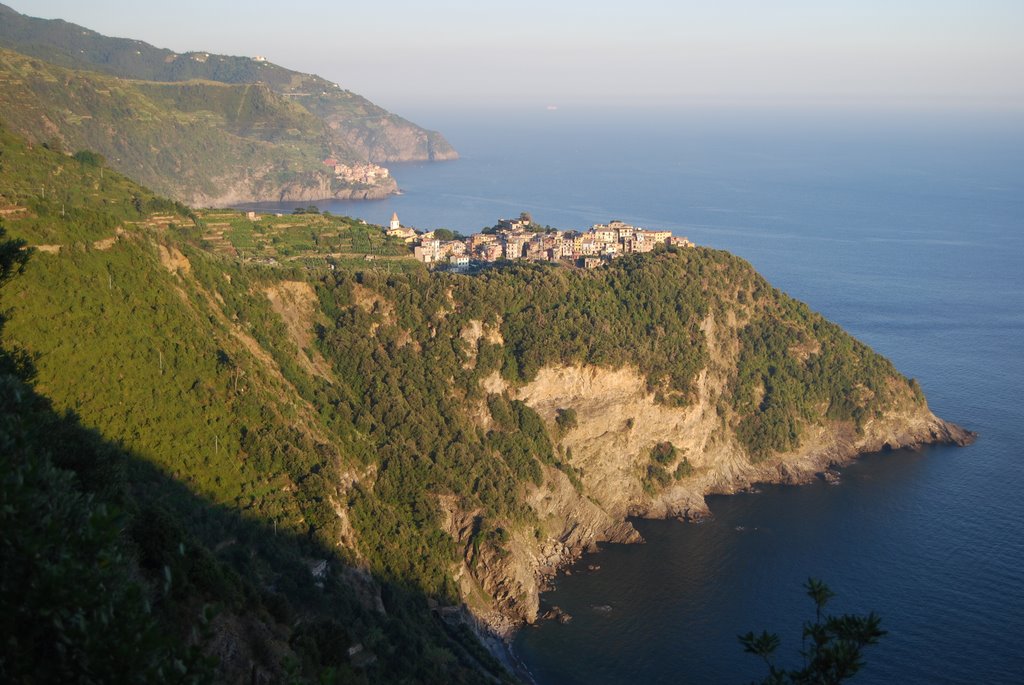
(206, 129)
(372, 132)
(167, 412)
(265, 415)
(201, 142)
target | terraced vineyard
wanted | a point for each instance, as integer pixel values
(307, 239)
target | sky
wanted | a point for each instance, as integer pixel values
(459, 53)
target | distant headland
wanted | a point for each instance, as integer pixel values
(208, 130)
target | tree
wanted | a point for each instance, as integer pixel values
(13, 255)
(90, 158)
(835, 643)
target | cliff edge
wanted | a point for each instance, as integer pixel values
(618, 424)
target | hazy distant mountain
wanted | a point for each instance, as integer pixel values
(205, 128)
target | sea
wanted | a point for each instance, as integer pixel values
(906, 228)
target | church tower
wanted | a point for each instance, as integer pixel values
(395, 225)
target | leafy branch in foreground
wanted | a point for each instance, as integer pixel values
(835, 643)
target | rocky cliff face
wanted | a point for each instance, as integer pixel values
(618, 424)
(393, 139)
(318, 189)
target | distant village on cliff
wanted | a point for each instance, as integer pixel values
(521, 238)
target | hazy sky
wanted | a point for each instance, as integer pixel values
(404, 54)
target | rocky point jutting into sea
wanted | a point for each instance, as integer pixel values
(618, 422)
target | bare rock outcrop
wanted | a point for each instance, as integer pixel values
(618, 424)
(320, 188)
(393, 139)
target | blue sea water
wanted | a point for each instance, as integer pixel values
(905, 228)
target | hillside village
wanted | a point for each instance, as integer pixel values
(310, 238)
(521, 238)
(366, 173)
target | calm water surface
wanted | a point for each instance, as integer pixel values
(908, 230)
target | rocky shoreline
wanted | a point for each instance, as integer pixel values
(816, 461)
(601, 478)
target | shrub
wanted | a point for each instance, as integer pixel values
(566, 419)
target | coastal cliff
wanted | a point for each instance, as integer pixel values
(619, 422)
(530, 411)
(311, 188)
(395, 140)
(633, 390)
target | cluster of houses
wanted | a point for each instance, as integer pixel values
(520, 238)
(365, 173)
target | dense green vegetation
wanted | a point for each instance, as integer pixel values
(217, 487)
(103, 582)
(71, 200)
(795, 367)
(566, 419)
(72, 604)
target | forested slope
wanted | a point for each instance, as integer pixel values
(165, 440)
